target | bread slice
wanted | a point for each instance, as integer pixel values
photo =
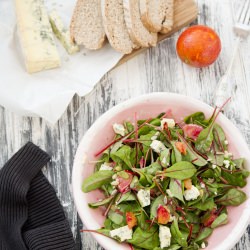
(153, 14)
(168, 23)
(86, 26)
(115, 26)
(137, 31)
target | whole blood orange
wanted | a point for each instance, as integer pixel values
(198, 46)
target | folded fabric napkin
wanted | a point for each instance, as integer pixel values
(31, 216)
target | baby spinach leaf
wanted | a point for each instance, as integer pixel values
(220, 220)
(192, 156)
(154, 206)
(233, 197)
(145, 179)
(165, 157)
(205, 139)
(235, 179)
(175, 187)
(148, 239)
(177, 153)
(146, 139)
(115, 217)
(101, 203)
(172, 247)
(129, 126)
(207, 205)
(125, 197)
(196, 118)
(96, 180)
(104, 231)
(122, 155)
(108, 224)
(216, 159)
(152, 169)
(204, 234)
(177, 235)
(220, 137)
(181, 170)
(239, 163)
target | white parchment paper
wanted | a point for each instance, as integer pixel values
(48, 93)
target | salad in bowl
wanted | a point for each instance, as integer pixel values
(164, 180)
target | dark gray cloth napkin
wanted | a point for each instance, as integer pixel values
(31, 216)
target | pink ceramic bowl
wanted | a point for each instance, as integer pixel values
(100, 134)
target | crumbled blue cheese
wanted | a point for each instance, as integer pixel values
(115, 182)
(165, 236)
(226, 163)
(119, 129)
(155, 136)
(144, 197)
(157, 146)
(105, 166)
(203, 185)
(203, 245)
(169, 122)
(214, 166)
(191, 194)
(122, 233)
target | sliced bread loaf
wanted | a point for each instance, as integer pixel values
(153, 14)
(168, 23)
(86, 24)
(115, 26)
(137, 31)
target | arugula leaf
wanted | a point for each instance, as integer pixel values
(181, 170)
(220, 220)
(176, 189)
(177, 235)
(96, 180)
(148, 239)
(233, 197)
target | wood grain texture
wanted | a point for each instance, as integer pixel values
(156, 69)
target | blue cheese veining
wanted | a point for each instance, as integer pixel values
(62, 33)
(36, 36)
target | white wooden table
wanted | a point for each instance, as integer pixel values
(157, 69)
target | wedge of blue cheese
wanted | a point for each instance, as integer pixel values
(62, 33)
(36, 36)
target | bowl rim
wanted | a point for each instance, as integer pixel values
(244, 220)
